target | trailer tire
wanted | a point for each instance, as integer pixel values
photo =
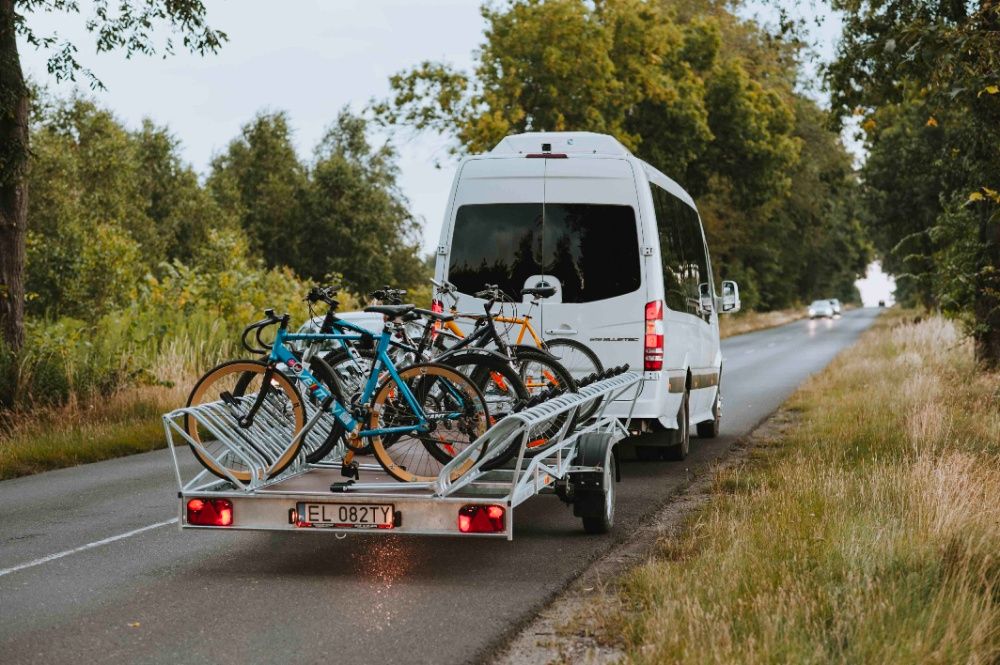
(594, 493)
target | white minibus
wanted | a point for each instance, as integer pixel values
(623, 246)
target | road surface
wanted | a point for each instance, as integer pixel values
(92, 570)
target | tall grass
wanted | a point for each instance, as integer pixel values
(869, 533)
(83, 391)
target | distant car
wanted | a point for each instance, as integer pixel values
(836, 306)
(881, 303)
(821, 308)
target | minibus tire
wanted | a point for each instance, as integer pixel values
(710, 428)
(678, 451)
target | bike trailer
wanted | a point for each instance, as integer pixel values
(468, 498)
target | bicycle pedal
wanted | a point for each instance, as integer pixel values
(350, 471)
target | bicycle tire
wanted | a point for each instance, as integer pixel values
(315, 448)
(212, 385)
(493, 375)
(576, 368)
(557, 375)
(325, 375)
(388, 411)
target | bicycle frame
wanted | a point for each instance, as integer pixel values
(523, 321)
(280, 353)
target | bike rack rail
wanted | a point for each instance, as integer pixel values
(429, 508)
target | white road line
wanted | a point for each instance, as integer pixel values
(81, 548)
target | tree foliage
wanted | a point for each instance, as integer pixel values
(111, 206)
(925, 77)
(342, 214)
(135, 27)
(689, 87)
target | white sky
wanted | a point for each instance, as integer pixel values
(310, 58)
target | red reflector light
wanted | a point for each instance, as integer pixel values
(547, 155)
(210, 512)
(437, 306)
(481, 519)
(652, 357)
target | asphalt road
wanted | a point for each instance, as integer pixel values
(90, 572)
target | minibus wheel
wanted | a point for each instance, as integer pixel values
(710, 428)
(678, 451)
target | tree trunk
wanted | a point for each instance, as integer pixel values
(13, 188)
(987, 306)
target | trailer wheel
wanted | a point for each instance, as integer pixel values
(594, 493)
(602, 523)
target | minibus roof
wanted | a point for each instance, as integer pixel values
(582, 144)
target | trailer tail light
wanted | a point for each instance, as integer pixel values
(482, 519)
(652, 355)
(210, 512)
(547, 155)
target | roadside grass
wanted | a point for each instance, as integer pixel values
(749, 321)
(868, 533)
(51, 438)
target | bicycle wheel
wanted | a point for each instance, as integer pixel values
(322, 438)
(581, 361)
(457, 411)
(541, 371)
(269, 439)
(352, 370)
(496, 379)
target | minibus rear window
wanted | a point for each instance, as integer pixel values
(592, 249)
(496, 243)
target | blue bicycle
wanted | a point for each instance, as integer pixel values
(413, 420)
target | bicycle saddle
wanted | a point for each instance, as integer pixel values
(438, 316)
(540, 291)
(391, 311)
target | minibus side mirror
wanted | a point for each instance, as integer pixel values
(730, 297)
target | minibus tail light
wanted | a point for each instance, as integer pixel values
(652, 358)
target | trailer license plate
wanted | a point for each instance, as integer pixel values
(346, 515)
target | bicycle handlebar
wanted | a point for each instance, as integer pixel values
(259, 326)
(327, 294)
(388, 295)
(491, 292)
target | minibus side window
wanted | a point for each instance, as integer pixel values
(682, 252)
(671, 249)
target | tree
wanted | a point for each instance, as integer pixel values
(924, 76)
(359, 225)
(345, 215)
(262, 180)
(687, 86)
(98, 188)
(128, 25)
